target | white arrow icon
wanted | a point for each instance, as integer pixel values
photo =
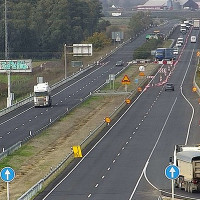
(172, 171)
(7, 173)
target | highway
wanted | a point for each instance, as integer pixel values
(129, 160)
(27, 121)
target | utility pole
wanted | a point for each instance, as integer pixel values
(65, 56)
(6, 55)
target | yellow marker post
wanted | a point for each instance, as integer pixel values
(107, 120)
(139, 89)
(128, 101)
(198, 53)
(194, 89)
(141, 74)
(77, 151)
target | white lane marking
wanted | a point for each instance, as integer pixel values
(146, 164)
(189, 126)
(16, 115)
(96, 185)
(89, 195)
(103, 177)
(181, 87)
(95, 145)
(76, 81)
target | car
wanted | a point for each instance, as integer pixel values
(175, 52)
(169, 86)
(178, 45)
(119, 63)
(180, 40)
(193, 39)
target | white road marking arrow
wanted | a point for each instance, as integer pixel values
(7, 173)
(172, 171)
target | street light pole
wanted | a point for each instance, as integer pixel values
(65, 56)
(6, 55)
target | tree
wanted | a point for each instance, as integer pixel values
(98, 40)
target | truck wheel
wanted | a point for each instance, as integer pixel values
(190, 188)
(186, 187)
(180, 186)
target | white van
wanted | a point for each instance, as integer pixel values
(180, 40)
(193, 39)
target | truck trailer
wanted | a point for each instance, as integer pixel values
(187, 159)
(42, 95)
(164, 54)
(196, 24)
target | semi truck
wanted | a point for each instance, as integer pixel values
(42, 95)
(164, 54)
(187, 159)
(196, 24)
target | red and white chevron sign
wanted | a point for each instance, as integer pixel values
(166, 62)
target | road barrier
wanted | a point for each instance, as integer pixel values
(10, 150)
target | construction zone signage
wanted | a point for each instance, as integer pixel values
(77, 152)
(126, 80)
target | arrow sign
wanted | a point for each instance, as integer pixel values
(7, 174)
(172, 172)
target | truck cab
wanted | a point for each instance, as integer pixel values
(42, 95)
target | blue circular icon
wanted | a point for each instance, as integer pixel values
(7, 174)
(172, 172)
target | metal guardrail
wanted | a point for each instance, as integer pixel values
(32, 191)
(10, 150)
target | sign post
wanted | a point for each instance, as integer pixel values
(172, 172)
(7, 175)
(126, 81)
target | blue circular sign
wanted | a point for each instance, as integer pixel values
(7, 174)
(172, 172)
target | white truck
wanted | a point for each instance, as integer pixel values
(42, 95)
(187, 159)
(196, 24)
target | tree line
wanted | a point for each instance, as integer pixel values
(40, 28)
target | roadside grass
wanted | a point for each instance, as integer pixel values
(16, 159)
(197, 78)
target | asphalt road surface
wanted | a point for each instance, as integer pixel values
(128, 162)
(27, 121)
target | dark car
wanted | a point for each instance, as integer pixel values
(169, 86)
(119, 63)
